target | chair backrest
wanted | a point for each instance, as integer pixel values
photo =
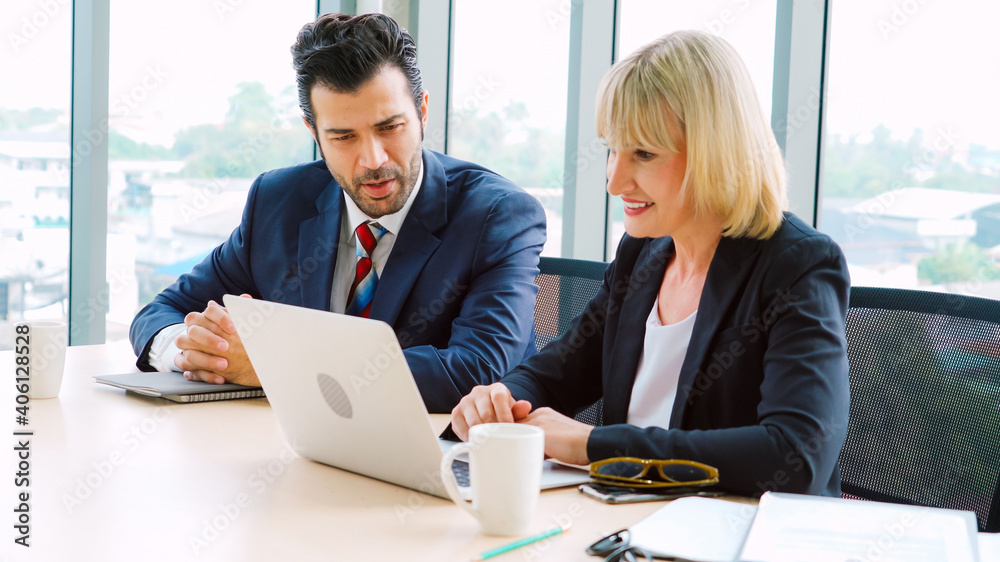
(925, 401)
(565, 286)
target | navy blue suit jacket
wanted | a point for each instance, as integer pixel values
(458, 287)
(763, 393)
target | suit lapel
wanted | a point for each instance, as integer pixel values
(725, 281)
(317, 252)
(415, 244)
(644, 284)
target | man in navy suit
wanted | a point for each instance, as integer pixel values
(444, 251)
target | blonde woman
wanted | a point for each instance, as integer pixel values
(718, 335)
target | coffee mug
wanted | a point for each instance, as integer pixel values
(40, 355)
(505, 473)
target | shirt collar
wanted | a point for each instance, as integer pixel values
(392, 222)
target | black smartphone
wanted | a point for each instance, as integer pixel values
(621, 494)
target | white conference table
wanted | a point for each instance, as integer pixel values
(126, 477)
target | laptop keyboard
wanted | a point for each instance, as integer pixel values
(461, 471)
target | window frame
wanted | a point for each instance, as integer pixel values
(800, 67)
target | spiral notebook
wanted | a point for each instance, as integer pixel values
(173, 386)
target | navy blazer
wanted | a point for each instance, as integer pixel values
(763, 391)
(458, 286)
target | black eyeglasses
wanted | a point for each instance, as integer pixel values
(617, 547)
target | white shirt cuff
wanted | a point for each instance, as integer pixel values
(163, 349)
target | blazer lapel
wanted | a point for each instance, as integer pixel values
(415, 244)
(317, 252)
(723, 284)
(644, 284)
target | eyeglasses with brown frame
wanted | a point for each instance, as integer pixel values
(636, 473)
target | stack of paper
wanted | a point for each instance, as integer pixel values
(703, 529)
(791, 528)
(989, 547)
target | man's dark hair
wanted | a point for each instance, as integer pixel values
(342, 52)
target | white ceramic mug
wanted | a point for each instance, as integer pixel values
(505, 473)
(42, 345)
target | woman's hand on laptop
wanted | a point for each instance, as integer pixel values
(565, 438)
(211, 350)
(487, 404)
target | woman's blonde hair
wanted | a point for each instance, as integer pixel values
(690, 90)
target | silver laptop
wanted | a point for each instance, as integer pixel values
(344, 395)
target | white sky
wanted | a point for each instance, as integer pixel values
(200, 53)
(939, 70)
(747, 25)
(487, 51)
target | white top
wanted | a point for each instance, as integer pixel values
(163, 349)
(663, 351)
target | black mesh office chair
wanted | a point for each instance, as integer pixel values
(565, 286)
(925, 401)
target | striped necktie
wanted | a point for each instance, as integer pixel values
(359, 300)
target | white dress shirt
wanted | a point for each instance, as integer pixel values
(663, 351)
(163, 349)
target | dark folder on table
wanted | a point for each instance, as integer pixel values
(173, 386)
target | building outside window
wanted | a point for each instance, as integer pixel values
(911, 168)
(193, 122)
(36, 56)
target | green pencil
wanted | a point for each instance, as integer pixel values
(525, 541)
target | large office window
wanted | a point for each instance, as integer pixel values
(910, 154)
(748, 26)
(201, 101)
(507, 99)
(911, 174)
(34, 162)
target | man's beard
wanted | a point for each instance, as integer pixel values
(393, 202)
